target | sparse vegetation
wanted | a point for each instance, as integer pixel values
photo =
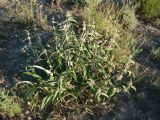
(29, 11)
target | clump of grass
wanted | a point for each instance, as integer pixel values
(30, 11)
(25, 10)
(111, 16)
(80, 69)
(156, 54)
(150, 8)
(129, 18)
(106, 20)
(8, 108)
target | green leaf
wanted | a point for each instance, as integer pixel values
(49, 99)
(46, 100)
(29, 93)
(74, 75)
(33, 75)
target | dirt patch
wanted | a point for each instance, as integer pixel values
(150, 40)
(11, 58)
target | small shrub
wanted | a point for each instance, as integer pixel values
(82, 69)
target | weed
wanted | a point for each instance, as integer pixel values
(84, 69)
(8, 107)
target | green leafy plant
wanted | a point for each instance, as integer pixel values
(8, 107)
(87, 68)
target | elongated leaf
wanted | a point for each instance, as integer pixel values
(33, 75)
(49, 99)
(46, 100)
(45, 70)
(25, 82)
(74, 75)
(29, 93)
